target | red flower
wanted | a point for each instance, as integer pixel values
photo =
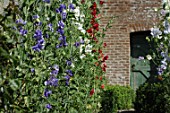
(82, 1)
(92, 20)
(92, 92)
(101, 78)
(104, 44)
(89, 30)
(94, 12)
(95, 39)
(100, 51)
(104, 69)
(104, 65)
(94, 6)
(101, 2)
(102, 86)
(93, 51)
(96, 26)
(105, 58)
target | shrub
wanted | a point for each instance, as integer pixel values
(153, 97)
(117, 97)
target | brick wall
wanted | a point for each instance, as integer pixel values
(133, 15)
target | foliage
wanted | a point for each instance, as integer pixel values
(117, 98)
(54, 58)
(153, 97)
(150, 98)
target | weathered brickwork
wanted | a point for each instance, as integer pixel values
(133, 15)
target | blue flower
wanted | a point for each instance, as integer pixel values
(38, 23)
(77, 44)
(61, 24)
(32, 70)
(71, 6)
(68, 62)
(167, 27)
(35, 16)
(41, 41)
(61, 8)
(38, 34)
(47, 92)
(36, 48)
(46, 35)
(54, 72)
(47, 1)
(81, 41)
(69, 72)
(67, 79)
(23, 31)
(155, 32)
(48, 106)
(56, 67)
(53, 81)
(50, 26)
(61, 31)
(64, 15)
(21, 21)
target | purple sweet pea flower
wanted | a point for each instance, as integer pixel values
(67, 79)
(167, 27)
(155, 32)
(68, 62)
(23, 31)
(53, 81)
(46, 35)
(61, 24)
(32, 70)
(35, 16)
(62, 6)
(81, 41)
(56, 67)
(36, 48)
(64, 15)
(38, 23)
(50, 26)
(71, 6)
(141, 58)
(47, 92)
(48, 106)
(47, 1)
(61, 31)
(38, 34)
(21, 21)
(54, 72)
(77, 44)
(41, 41)
(69, 72)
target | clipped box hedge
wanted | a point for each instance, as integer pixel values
(117, 98)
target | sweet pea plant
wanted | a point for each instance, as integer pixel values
(160, 37)
(58, 63)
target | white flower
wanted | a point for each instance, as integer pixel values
(149, 57)
(82, 56)
(87, 41)
(81, 48)
(88, 48)
(77, 12)
(72, 65)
